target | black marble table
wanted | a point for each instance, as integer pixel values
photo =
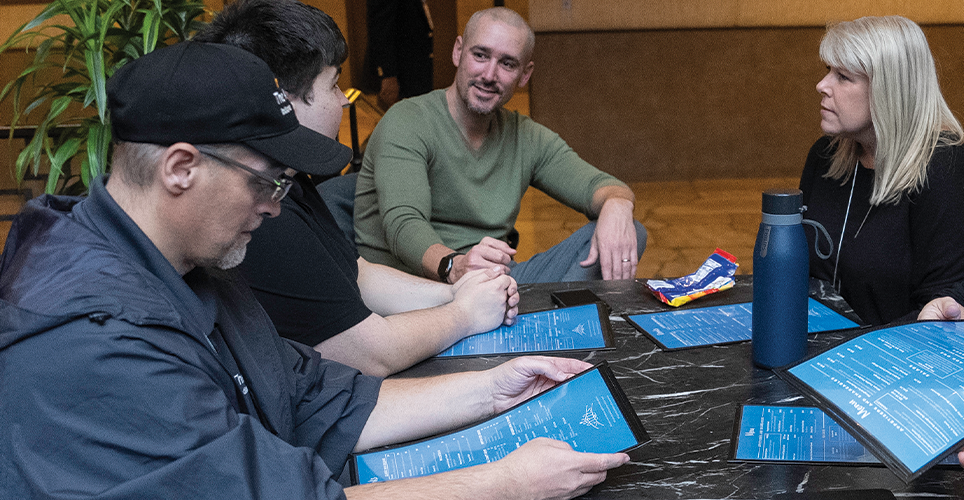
(687, 400)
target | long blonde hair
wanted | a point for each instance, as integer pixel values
(908, 112)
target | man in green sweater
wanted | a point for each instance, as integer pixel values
(444, 175)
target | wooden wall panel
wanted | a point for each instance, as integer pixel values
(687, 104)
(592, 15)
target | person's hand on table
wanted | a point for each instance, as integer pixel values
(487, 253)
(486, 298)
(614, 242)
(941, 309)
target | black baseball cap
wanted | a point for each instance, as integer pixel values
(207, 93)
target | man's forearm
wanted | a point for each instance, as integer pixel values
(382, 346)
(387, 291)
(480, 482)
(426, 406)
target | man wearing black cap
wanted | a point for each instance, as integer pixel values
(133, 365)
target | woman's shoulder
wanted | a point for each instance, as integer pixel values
(945, 173)
(948, 155)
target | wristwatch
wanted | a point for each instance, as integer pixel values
(445, 266)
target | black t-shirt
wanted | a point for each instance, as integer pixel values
(895, 258)
(303, 270)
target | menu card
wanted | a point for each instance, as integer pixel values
(899, 390)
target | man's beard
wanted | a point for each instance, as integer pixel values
(482, 109)
(233, 258)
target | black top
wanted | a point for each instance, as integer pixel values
(400, 45)
(303, 270)
(897, 257)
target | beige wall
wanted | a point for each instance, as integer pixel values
(684, 89)
(697, 103)
(589, 15)
(14, 16)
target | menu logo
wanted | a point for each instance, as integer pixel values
(590, 418)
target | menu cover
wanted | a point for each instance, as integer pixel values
(704, 326)
(797, 434)
(899, 390)
(579, 328)
(589, 411)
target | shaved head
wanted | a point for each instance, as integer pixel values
(505, 16)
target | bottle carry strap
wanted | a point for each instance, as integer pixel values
(816, 242)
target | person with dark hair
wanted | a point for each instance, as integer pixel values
(398, 60)
(444, 175)
(303, 270)
(136, 364)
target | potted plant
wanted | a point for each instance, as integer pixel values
(83, 42)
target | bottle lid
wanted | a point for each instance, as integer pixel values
(782, 201)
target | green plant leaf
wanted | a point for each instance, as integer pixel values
(71, 8)
(152, 25)
(33, 105)
(56, 108)
(31, 155)
(88, 44)
(53, 9)
(89, 95)
(85, 171)
(98, 81)
(57, 160)
(98, 141)
(15, 83)
(109, 19)
(23, 160)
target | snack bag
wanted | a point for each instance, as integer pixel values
(714, 275)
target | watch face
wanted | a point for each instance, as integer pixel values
(445, 266)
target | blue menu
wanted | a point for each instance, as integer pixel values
(722, 324)
(571, 328)
(797, 434)
(899, 390)
(589, 411)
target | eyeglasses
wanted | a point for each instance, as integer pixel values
(279, 186)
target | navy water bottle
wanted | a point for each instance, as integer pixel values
(781, 276)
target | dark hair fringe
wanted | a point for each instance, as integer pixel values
(296, 40)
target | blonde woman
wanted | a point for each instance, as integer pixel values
(887, 180)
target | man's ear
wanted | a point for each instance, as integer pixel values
(180, 167)
(526, 73)
(457, 51)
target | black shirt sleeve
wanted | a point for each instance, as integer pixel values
(303, 271)
(936, 239)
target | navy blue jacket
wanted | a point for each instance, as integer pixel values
(121, 379)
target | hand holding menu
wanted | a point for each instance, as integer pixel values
(898, 390)
(589, 411)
